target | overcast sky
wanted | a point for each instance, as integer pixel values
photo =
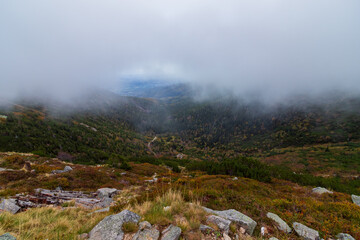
(272, 46)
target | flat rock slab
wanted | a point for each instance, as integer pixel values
(7, 236)
(356, 199)
(344, 236)
(171, 233)
(281, 224)
(222, 223)
(9, 205)
(306, 232)
(110, 228)
(321, 190)
(237, 217)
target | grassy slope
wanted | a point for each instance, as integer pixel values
(330, 214)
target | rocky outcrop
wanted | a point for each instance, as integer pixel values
(221, 223)
(281, 224)
(356, 199)
(66, 169)
(106, 192)
(7, 236)
(171, 233)
(344, 236)
(146, 232)
(321, 190)
(237, 217)
(306, 232)
(9, 205)
(110, 228)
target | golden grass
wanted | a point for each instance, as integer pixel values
(171, 208)
(49, 223)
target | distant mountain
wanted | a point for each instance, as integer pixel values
(156, 89)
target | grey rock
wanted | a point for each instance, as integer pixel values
(7, 236)
(344, 236)
(67, 169)
(146, 232)
(106, 192)
(102, 210)
(9, 205)
(226, 237)
(144, 225)
(281, 224)
(234, 216)
(273, 238)
(205, 228)
(105, 202)
(84, 236)
(306, 232)
(356, 199)
(171, 233)
(221, 223)
(321, 190)
(110, 228)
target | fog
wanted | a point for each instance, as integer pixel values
(271, 48)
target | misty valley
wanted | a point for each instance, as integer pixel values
(144, 148)
(179, 120)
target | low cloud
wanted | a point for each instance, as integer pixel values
(270, 48)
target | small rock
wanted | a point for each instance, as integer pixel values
(106, 192)
(264, 231)
(273, 238)
(84, 236)
(321, 190)
(171, 233)
(102, 210)
(110, 228)
(144, 225)
(221, 223)
(306, 232)
(226, 237)
(235, 178)
(146, 232)
(167, 208)
(205, 228)
(7, 236)
(356, 199)
(282, 225)
(67, 169)
(9, 205)
(344, 236)
(234, 216)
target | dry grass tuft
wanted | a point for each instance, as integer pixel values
(171, 208)
(49, 223)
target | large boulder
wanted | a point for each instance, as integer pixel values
(321, 190)
(146, 232)
(344, 236)
(281, 224)
(106, 192)
(171, 233)
(237, 217)
(221, 223)
(7, 236)
(306, 232)
(110, 228)
(9, 205)
(356, 199)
